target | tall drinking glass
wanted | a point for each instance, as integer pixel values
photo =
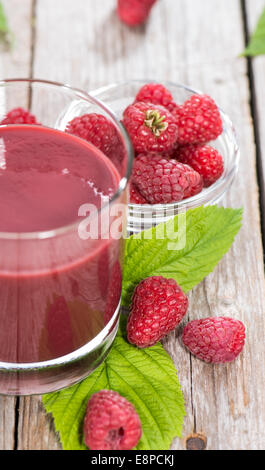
(62, 205)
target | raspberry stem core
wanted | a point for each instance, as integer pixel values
(155, 122)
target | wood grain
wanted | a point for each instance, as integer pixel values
(227, 400)
(35, 428)
(196, 43)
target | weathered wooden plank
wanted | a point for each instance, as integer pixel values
(14, 63)
(7, 422)
(253, 11)
(196, 43)
(227, 401)
(35, 429)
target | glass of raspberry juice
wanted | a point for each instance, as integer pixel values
(62, 203)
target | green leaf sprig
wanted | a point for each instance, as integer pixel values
(256, 44)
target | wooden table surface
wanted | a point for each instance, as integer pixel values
(195, 42)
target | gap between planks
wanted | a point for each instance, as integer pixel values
(256, 123)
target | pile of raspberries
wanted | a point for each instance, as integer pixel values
(173, 158)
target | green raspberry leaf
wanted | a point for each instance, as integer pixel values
(147, 378)
(203, 240)
(256, 44)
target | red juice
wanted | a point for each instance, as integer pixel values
(57, 291)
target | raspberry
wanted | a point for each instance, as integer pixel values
(98, 130)
(19, 116)
(158, 306)
(111, 422)
(134, 12)
(135, 195)
(205, 160)
(216, 340)
(152, 128)
(157, 94)
(199, 120)
(161, 180)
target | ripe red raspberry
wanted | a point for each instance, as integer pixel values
(135, 196)
(98, 130)
(111, 422)
(152, 128)
(158, 306)
(204, 159)
(134, 12)
(216, 340)
(199, 120)
(157, 94)
(161, 180)
(19, 116)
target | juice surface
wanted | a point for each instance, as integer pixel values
(46, 175)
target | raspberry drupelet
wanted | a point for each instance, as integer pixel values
(135, 195)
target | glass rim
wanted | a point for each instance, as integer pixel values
(220, 185)
(81, 94)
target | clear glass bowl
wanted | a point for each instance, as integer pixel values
(118, 96)
(58, 310)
